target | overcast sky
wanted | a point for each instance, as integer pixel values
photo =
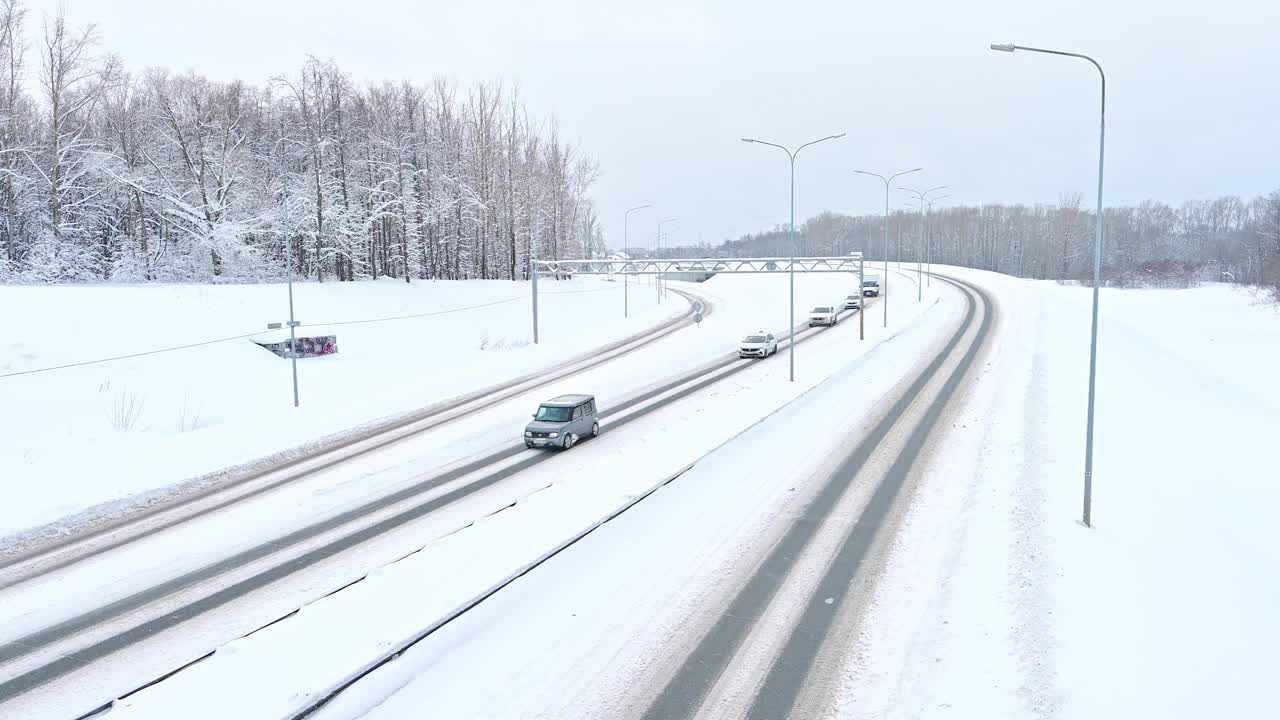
(660, 92)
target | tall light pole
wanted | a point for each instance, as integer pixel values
(928, 242)
(1097, 269)
(884, 299)
(898, 242)
(920, 196)
(791, 267)
(626, 301)
(658, 248)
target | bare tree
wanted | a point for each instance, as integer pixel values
(73, 83)
(176, 177)
(12, 48)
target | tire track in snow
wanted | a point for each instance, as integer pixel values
(702, 669)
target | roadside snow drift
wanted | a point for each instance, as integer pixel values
(82, 436)
(1000, 603)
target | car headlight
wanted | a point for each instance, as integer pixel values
(528, 434)
(554, 435)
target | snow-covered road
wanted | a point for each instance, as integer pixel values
(981, 597)
(684, 429)
(611, 624)
(241, 616)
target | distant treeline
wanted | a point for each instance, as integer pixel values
(1227, 239)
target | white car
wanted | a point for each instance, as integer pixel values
(853, 302)
(758, 344)
(824, 315)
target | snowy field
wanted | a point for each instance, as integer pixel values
(996, 601)
(1000, 603)
(79, 437)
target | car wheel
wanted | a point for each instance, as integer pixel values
(595, 429)
(568, 441)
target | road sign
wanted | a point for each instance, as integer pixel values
(697, 317)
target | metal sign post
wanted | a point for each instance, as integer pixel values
(862, 310)
(533, 276)
(293, 324)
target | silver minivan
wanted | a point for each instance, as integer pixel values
(562, 421)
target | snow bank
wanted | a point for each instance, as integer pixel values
(1000, 603)
(83, 436)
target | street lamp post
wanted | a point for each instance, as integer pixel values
(928, 242)
(791, 266)
(920, 196)
(1097, 269)
(898, 242)
(658, 282)
(884, 299)
(626, 300)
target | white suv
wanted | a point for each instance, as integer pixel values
(760, 344)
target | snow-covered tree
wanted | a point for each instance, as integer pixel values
(157, 176)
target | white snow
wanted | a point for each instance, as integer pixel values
(997, 602)
(87, 435)
(1000, 603)
(582, 488)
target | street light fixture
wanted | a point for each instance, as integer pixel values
(920, 196)
(1097, 268)
(791, 319)
(626, 300)
(887, 181)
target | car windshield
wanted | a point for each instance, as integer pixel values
(822, 310)
(871, 283)
(550, 413)
(754, 339)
